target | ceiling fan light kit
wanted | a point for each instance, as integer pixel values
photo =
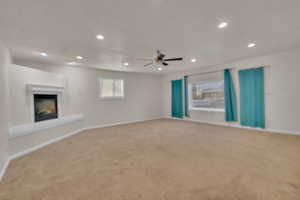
(160, 59)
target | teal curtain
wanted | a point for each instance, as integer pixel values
(186, 97)
(252, 108)
(230, 97)
(177, 98)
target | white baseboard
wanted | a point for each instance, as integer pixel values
(234, 125)
(17, 155)
(119, 123)
(27, 151)
(2, 172)
(22, 153)
(27, 129)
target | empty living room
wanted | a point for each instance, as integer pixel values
(149, 100)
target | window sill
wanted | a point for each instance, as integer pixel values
(208, 109)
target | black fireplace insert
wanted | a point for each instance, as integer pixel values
(45, 107)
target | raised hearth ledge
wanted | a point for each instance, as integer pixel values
(26, 129)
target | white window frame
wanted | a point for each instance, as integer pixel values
(112, 97)
(207, 109)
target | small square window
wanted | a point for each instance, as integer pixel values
(111, 88)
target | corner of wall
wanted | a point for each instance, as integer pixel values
(5, 62)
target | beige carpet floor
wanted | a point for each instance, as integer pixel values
(159, 160)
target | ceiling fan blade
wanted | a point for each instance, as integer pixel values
(148, 64)
(165, 64)
(173, 59)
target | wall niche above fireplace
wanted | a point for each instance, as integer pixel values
(45, 107)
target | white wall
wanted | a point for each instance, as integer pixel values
(4, 112)
(282, 95)
(147, 96)
(143, 97)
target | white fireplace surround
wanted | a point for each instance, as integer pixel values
(31, 90)
(36, 88)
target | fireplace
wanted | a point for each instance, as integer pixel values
(45, 107)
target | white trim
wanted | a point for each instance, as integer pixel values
(3, 170)
(22, 153)
(27, 151)
(113, 97)
(234, 125)
(27, 129)
(59, 104)
(207, 109)
(33, 89)
(36, 88)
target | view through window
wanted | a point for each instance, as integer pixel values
(207, 95)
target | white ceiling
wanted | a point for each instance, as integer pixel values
(136, 28)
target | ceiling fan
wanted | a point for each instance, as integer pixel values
(160, 59)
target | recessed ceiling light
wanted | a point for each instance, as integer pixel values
(125, 63)
(100, 37)
(251, 45)
(193, 60)
(159, 69)
(223, 25)
(71, 63)
(43, 54)
(79, 57)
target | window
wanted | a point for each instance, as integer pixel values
(207, 95)
(111, 88)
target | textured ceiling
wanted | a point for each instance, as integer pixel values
(136, 28)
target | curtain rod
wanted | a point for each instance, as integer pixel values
(208, 72)
(223, 70)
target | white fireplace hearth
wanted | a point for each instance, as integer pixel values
(38, 91)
